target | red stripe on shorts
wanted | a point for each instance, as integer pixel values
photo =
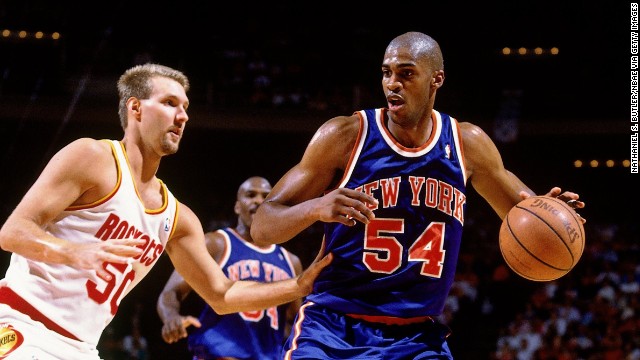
(392, 320)
(9, 297)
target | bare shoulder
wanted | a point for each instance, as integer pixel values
(480, 152)
(325, 158)
(344, 127)
(475, 139)
(188, 223)
(87, 163)
(80, 173)
(472, 133)
(215, 244)
(85, 151)
(336, 137)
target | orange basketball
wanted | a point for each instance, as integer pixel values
(541, 238)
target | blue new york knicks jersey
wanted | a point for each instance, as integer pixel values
(256, 335)
(401, 264)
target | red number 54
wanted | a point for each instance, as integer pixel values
(427, 248)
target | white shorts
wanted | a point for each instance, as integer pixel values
(21, 338)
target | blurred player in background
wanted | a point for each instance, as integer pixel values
(255, 335)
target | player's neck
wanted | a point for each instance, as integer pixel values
(244, 231)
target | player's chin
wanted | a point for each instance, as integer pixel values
(396, 111)
(170, 146)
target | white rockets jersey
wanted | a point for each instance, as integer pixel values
(76, 300)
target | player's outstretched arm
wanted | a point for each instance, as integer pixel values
(570, 197)
(191, 259)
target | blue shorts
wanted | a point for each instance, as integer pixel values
(320, 333)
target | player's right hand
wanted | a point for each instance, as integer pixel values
(176, 328)
(95, 255)
(346, 206)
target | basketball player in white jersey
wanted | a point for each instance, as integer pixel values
(96, 221)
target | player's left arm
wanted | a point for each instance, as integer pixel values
(501, 188)
(174, 324)
(486, 172)
(191, 259)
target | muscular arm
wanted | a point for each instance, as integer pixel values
(295, 202)
(497, 185)
(192, 261)
(82, 172)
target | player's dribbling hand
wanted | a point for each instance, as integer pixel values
(569, 197)
(176, 328)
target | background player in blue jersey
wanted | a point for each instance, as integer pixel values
(390, 186)
(255, 335)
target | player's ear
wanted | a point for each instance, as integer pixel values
(134, 106)
(438, 78)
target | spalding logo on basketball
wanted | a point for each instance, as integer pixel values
(542, 238)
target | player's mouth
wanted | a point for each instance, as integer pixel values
(176, 132)
(394, 102)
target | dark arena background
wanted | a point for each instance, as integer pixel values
(547, 80)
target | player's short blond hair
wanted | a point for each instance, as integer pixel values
(135, 83)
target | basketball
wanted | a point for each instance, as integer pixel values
(541, 238)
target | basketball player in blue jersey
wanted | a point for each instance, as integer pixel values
(254, 335)
(97, 220)
(390, 186)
